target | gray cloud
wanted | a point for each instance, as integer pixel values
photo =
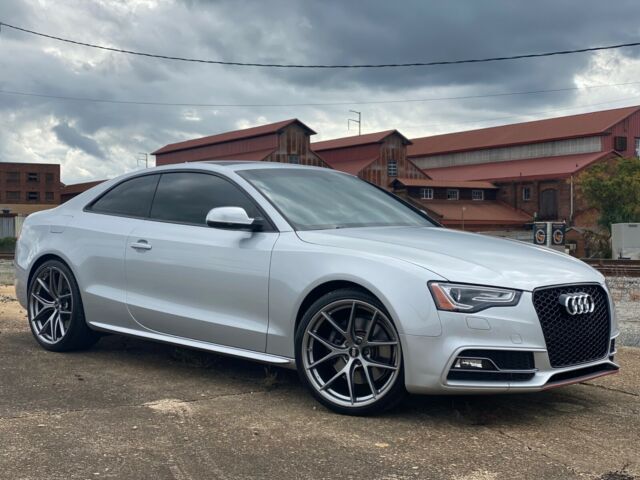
(74, 139)
(106, 138)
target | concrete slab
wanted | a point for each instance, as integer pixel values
(129, 409)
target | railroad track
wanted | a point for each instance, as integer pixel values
(615, 268)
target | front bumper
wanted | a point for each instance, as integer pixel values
(428, 360)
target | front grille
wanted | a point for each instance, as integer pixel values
(573, 339)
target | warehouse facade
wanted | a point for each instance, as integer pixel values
(536, 165)
(286, 142)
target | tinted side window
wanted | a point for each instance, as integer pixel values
(188, 197)
(131, 198)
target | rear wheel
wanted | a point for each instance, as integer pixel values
(56, 314)
(349, 355)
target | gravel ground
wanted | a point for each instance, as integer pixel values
(129, 409)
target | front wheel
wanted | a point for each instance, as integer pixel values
(349, 355)
(56, 314)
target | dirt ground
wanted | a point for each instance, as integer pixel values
(129, 409)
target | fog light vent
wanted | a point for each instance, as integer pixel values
(463, 363)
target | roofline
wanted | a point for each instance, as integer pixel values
(602, 132)
(278, 131)
(382, 139)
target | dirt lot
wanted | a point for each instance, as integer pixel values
(134, 410)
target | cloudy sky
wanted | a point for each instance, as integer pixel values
(98, 140)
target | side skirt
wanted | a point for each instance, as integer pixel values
(209, 347)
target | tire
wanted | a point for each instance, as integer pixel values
(348, 354)
(55, 310)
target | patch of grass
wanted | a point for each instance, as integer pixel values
(7, 244)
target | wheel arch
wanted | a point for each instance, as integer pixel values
(330, 286)
(45, 258)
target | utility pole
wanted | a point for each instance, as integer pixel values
(143, 157)
(358, 121)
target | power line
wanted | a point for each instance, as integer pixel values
(279, 65)
(313, 104)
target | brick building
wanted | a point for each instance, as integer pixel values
(463, 205)
(285, 142)
(29, 187)
(381, 158)
(536, 165)
(376, 157)
(67, 192)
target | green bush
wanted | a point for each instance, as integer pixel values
(7, 244)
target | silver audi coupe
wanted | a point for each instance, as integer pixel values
(309, 268)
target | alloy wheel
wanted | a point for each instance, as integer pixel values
(351, 353)
(51, 305)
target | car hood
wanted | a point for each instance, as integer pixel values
(462, 256)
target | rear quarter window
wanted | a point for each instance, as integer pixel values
(131, 198)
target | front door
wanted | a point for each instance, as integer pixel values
(549, 204)
(189, 280)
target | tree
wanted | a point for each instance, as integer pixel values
(614, 189)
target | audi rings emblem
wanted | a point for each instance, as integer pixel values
(577, 303)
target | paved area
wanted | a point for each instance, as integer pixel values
(129, 409)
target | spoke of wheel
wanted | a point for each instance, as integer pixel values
(350, 369)
(373, 321)
(41, 313)
(65, 312)
(352, 315)
(333, 379)
(372, 363)
(45, 324)
(59, 286)
(61, 325)
(54, 327)
(64, 296)
(382, 344)
(52, 282)
(329, 356)
(44, 286)
(328, 345)
(44, 302)
(329, 319)
(374, 391)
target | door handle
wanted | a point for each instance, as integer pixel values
(141, 245)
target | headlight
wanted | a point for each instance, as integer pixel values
(456, 297)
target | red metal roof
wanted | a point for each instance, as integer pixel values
(581, 125)
(270, 128)
(533, 168)
(350, 165)
(377, 137)
(476, 212)
(76, 188)
(416, 182)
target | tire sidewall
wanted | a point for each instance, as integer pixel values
(395, 394)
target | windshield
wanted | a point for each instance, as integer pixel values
(318, 200)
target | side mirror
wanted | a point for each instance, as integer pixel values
(232, 218)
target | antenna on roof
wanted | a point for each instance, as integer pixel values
(143, 157)
(358, 121)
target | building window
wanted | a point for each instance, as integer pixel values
(426, 193)
(392, 168)
(13, 177)
(13, 195)
(33, 196)
(48, 196)
(453, 194)
(620, 144)
(526, 193)
(33, 177)
(477, 194)
(295, 159)
(48, 177)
